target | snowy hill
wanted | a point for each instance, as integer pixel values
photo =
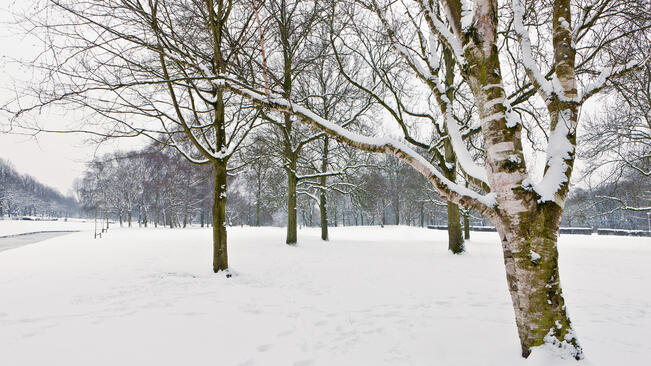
(370, 296)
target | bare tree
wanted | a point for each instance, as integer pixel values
(617, 147)
(147, 69)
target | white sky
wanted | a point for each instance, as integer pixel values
(55, 160)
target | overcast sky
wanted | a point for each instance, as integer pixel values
(54, 159)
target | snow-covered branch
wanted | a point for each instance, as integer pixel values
(543, 86)
(446, 188)
(607, 73)
(624, 206)
(560, 151)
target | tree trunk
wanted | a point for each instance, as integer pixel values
(466, 227)
(422, 215)
(322, 198)
(292, 236)
(397, 215)
(220, 253)
(531, 261)
(455, 238)
(156, 214)
(185, 202)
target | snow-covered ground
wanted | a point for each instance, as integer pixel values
(14, 227)
(370, 296)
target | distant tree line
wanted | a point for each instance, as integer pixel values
(147, 187)
(157, 187)
(610, 205)
(22, 195)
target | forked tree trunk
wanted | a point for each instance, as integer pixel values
(220, 253)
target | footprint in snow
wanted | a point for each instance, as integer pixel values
(249, 362)
(304, 363)
(264, 348)
(285, 333)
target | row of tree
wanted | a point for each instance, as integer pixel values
(155, 186)
(22, 195)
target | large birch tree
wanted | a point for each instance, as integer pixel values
(526, 211)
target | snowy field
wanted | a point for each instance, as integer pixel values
(370, 296)
(14, 227)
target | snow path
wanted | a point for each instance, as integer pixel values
(19, 240)
(370, 296)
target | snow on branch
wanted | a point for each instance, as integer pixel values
(319, 175)
(466, 162)
(543, 86)
(476, 173)
(446, 188)
(467, 14)
(312, 196)
(624, 206)
(560, 150)
(438, 27)
(596, 85)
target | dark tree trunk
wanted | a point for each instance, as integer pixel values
(322, 198)
(156, 213)
(324, 216)
(292, 221)
(220, 253)
(422, 215)
(455, 237)
(396, 210)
